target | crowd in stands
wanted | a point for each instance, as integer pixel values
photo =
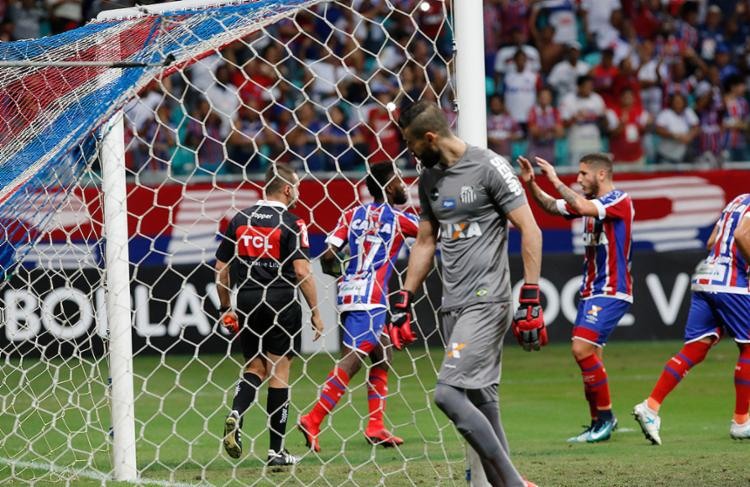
(650, 81)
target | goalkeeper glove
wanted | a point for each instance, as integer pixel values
(399, 328)
(230, 322)
(528, 321)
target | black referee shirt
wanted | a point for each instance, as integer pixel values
(260, 244)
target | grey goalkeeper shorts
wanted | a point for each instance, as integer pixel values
(474, 344)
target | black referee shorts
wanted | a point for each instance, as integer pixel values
(271, 325)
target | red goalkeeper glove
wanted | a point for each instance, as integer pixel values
(528, 321)
(230, 322)
(399, 328)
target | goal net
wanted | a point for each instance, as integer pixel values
(211, 95)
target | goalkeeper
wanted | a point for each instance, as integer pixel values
(469, 194)
(374, 233)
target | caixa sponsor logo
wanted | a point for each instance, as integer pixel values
(455, 231)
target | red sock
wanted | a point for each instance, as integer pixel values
(742, 383)
(595, 380)
(377, 390)
(334, 387)
(677, 367)
(591, 398)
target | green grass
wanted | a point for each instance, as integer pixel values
(181, 403)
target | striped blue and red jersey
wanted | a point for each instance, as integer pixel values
(725, 270)
(375, 234)
(607, 240)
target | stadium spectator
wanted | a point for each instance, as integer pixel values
(598, 21)
(711, 33)
(342, 142)
(505, 57)
(519, 89)
(545, 126)
(27, 17)
(268, 316)
(709, 112)
(564, 74)
(380, 132)
(502, 130)
(736, 118)
(627, 79)
(627, 124)
(205, 136)
(677, 126)
(583, 113)
(476, 283)
(606, 290)
(550, 52)
(246, 142)
(560, 14)
(685, 26)
(514, 15)
(603, 76)
(303, 139)
(156, 141)
(652, 72)
(720, 304)
(724, 62)
(64, 14)
(223, 97)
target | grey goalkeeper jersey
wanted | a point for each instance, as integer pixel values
(469, 201)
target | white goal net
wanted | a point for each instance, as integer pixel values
(213, 98)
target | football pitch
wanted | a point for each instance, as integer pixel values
(182, 401)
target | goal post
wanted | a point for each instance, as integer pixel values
(471, 126)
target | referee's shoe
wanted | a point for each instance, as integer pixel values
(281, 458)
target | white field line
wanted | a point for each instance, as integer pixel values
(89, 474)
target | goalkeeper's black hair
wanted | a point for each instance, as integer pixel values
(421, 117)
(378, 178)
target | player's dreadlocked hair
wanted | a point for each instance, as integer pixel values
(422, 117)
(378, 178)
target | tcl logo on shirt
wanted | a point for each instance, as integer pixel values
(259, 242)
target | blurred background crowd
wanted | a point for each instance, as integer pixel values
(650, 81)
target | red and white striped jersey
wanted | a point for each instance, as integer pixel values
(375, 233)
(608, 244)
(725, 270)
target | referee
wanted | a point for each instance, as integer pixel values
(264, 255)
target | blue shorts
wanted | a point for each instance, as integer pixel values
(362, 329)
(597, 317)
(711, 314)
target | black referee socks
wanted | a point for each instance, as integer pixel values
(278, 413)
(247, 389)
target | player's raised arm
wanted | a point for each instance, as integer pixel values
(544, 200)
(579, 204)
